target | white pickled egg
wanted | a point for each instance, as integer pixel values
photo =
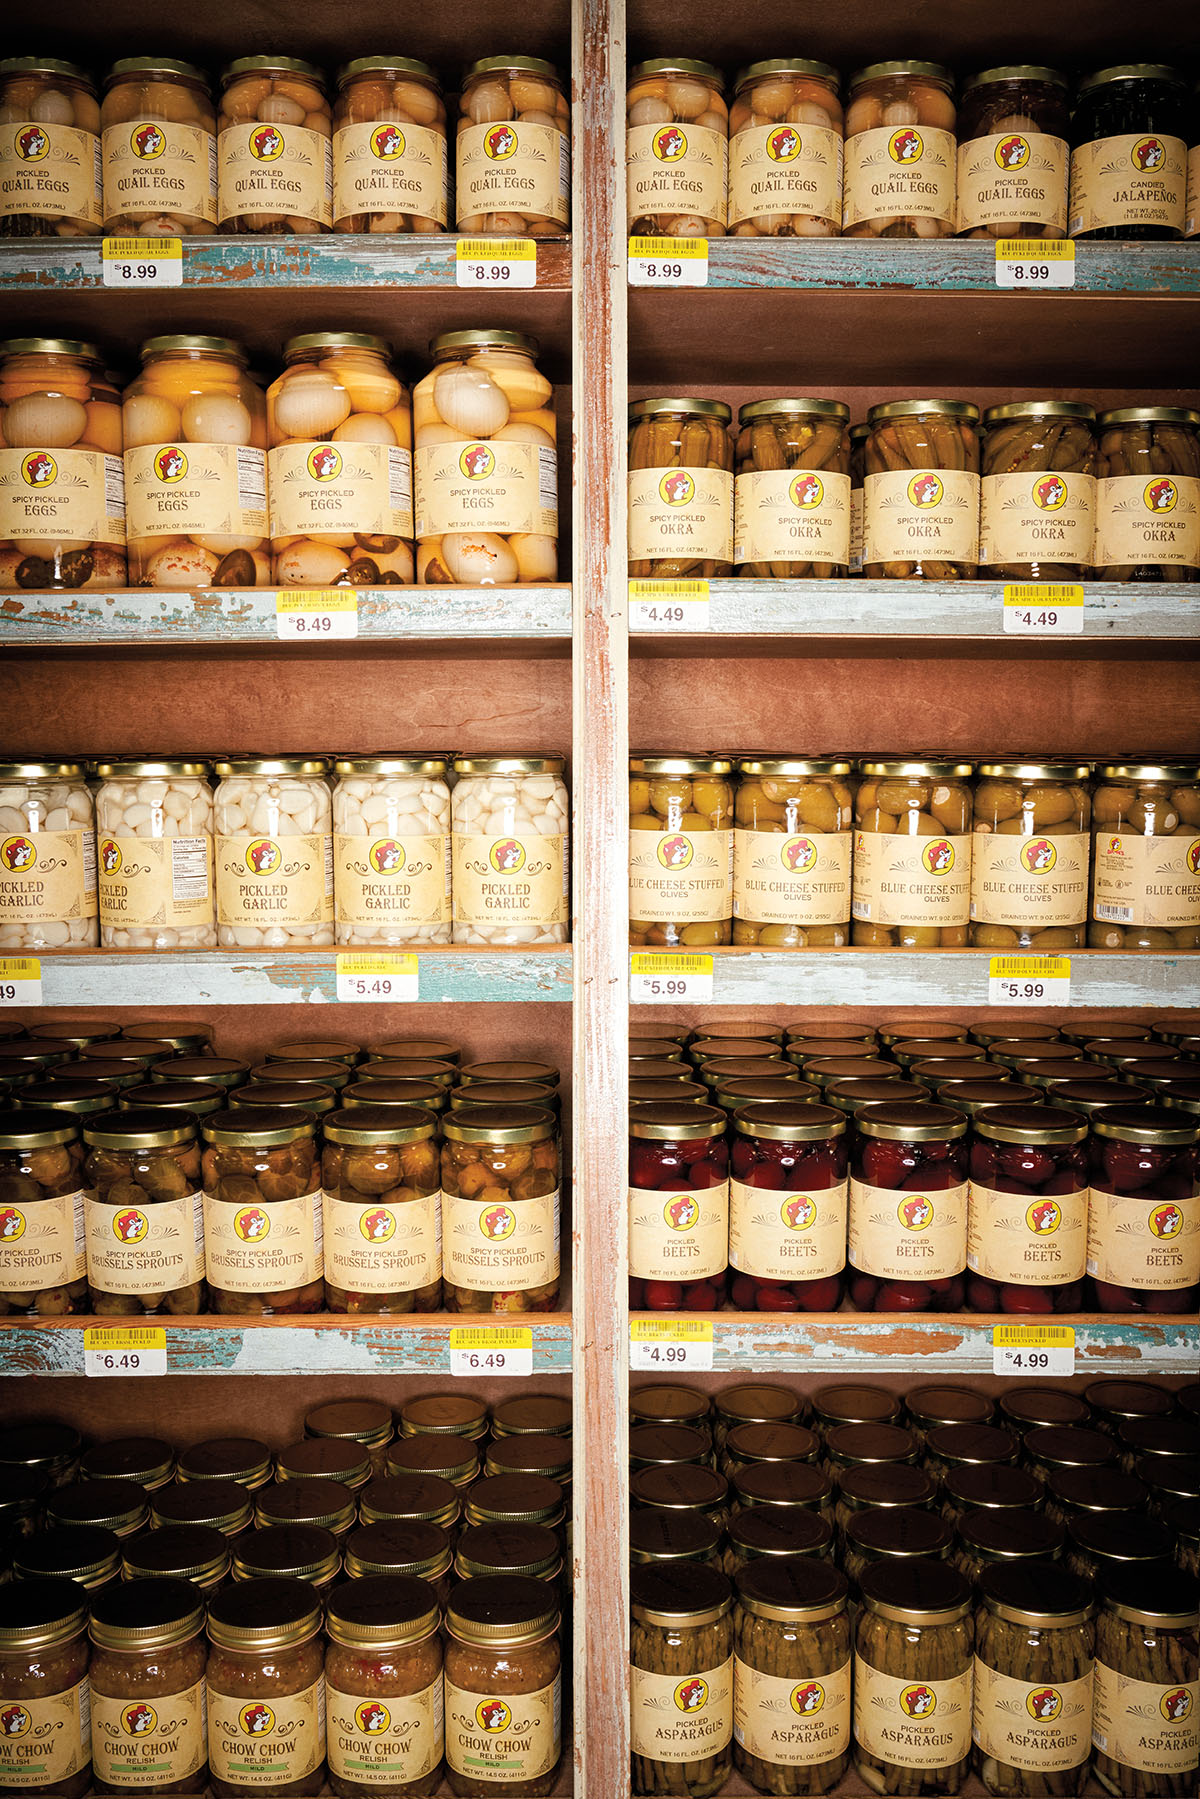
(524, 434)
(365, 428)
(45, 421)
(216, 419)
(478, 559)
(537, 557)
(149, 419)
(309, 564)
(470, 402)
(309, 404)
(189, 566)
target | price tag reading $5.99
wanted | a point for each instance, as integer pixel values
(665, 979)
(485, 1349)
(671, 1343)
(1039, 1349)
(1029, 981)
(310, 615)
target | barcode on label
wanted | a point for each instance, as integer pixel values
(189, 869)
(89, 862)
(1110, 914)
(252, 480)
(328, 173)
(114, 488)
(400, 481)
(548, 480)
(80, 1227)
(318, 1212)
(564, 167)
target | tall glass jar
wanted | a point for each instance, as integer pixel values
(680, 488)
(42, 1258)
(1147, 1667)
(681, 1678)
(1038, 490)
(858, 455)
(1013, 126)
(511, 868)
(513, 155)
(159, 149)
(791, 494)
(908, 1208)
(1129, 154)
(900, 151)
(791, 1676)
(785, 151)
(500, 1209)
(787, 1207)
(62, 517)
(1027, 1210)
(383, 1674)
(921, 491)
(266, 1690)
(791, 852)
(154, 842)
(1143, 1234)
(503, 1685)
(47, 857)
(147, 1684)
(390, 170)
(391, 825)
(1145, 859)
(677, 149)
(49, 149)
(46, 1744)
(678, 1207)
(1148, 495)
(143, 1214)
(195, 429)
(274, 156)
(913, 1677)
(262, 1211)
(680, 851)
(1034, 1638)
(382, 1205)
(912, 855)
(1029, 856)
(274, 853)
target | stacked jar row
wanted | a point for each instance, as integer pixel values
(906, 853)
(277, 857)
(1049, 491)
(783, 159)
(159, 156)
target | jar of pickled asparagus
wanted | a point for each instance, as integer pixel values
(678, 1207)
(791, 1676)
(274, 156)
(1034, 1640)
(913, 1677)
(513, 151)
(500, 1209)
(1013, 126)
(900, 152)
(681, 1679)
(1148, 495)
(382, 1208)
(785, 151)
(787, 1207)
(1027, 1210)
(1146, 857)
(681, 851)
(1029, 856)
(390, 167)
(907, 1235)
(47, 858)
(1129, 154)
(143, 1215)
(912, 855)
(154, 824)
(159, 149)
(921, 491)
(262, 1211)
(680, 488)
(49, 149)
(1146, 1686)
(791, 493)
(1038, 490)
(274, 853)
(1143, 1230)
(791, 851)
(677, 149)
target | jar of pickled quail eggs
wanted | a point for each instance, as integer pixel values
(793, 819)
(912, 855)
(901, 153)
(390, 170)
(513, 154)
(511, 869)
(154, 853)
(681, 851)
(274, 150)
(274, 853)
(1013, 154)
(677, 149)
(158, 149)
(49, 149)
(1029, 856)
(391, 850)
(785, 151)
(47, 857)
(1146, 857)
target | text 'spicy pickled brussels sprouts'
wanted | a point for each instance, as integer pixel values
(42, 1258)
(787, 1207)
(680, 488)
(785, 151)
(154, 853)
(678, 1206)
(1027, 1212)
(274, 819)
(1145, 861)
(1038, 490)
(500, 1209)
(382, 1208)
(144, 1213)
(792, 838)
(912, 854)
(262, 1211)
(274, 156)
(513, 150)
(1129, 154)
(921, 491)
(510, 844)
(1013, 125)
(391, 834)
(791, 493)
(1143, 1230)
(1029, 856)
(677, 149)
(158, 147)
(900, 152)
(48, 857)
(49, 149)
(680, 851)
(1148, 495)
(389, 147)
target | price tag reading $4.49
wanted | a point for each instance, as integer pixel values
(674, 1344)
(312, 615)
(668, 606)
(1043, 609)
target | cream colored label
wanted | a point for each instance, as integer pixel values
(1011, 180)
(389, 168)
(385, 1742)
(1154, 521)
(680, 877)
(1146, 880)
(266, 1742)
(323, 489)
(682, 513)
(258, 1248)
(1029, 881)
(1145, 1726)
(155, 883)
(42, 1243)
(857, 528)
(196, 490)
(504, 1245)
(503, 1738)
(678, 1236)
(905, 1234)
(796, 1236)
(514, 167)
(392, 882)
(145, 1249)
(921, 515)
(52, 171)
(803, 879)
(1143, 1242)
(486, 485)
(43, 1742)
(274, 880)
(1033, 1241)
(381, 1248)
(1192, 222)
(791, 1723)
(679, 170)
(911, 880)
(149, 1742)
(275, 169)
(912, 1723)
(62, 494)
(510, 881)
(786, 168)
(1036, 518)
(900, 173)
(792, 515)
(1044, 1726)
(681, 1718)
(152, 167)
(1136, 179)
(47, 876)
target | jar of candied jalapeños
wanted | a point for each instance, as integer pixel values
(681, 851)
(1146, 1687)
(1148, 495)
(680, 488)
(1143, 1244)
(1029, 856)
(1038, 490)
(792, 490)
(908, 1208)
(912, 855)
(1129, 154)
(791, 852)
(921, 491)
(791, 1676)
(678, 1207)
(1027, 1210)
(787, 1207)
(1013, 125)
(1145, 867)
(681, 1679)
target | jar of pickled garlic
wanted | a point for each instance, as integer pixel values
(511, 867)
(1027, 1210)
(1029, 856)
(1143, 1231)
(900, 152)
(143, 1214)
(787, 1207)
(47, 857)
(1147, 1668)
(1148, 495)
(262, 1211)
(383, 1673)
(1146, 857)
(907, 1232)
(1013, 126)
(791, 851)
(678, 1207)
(486, 463)
(62, 516)
(382, 1206)
(154, 842)
(49, 149)
(680, 851)
(912, 855)
(500, 1209)
(46, 1746)
(791, 494)
(391, 841)
(274, 154)
(390, 169)
(680, 488)
(1038, 491)
(42, 1260)
(512, 161)
(158, 149)
(677, 149)
(340, 464)
(274, 853)
(921, 491)
(1129, 154)
(785, 151)
(913, 1677)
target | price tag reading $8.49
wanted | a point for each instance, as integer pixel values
(676, 1344)
(486, 1349)
(1039, 1349)
(315, 615)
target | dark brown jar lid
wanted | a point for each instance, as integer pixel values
(325, 1458)
(898, 1533)
(653, 1445)
(1097, 1490)
(120, 1505)
(1049, 1076)
(784, 1484)
(802, 1050)
(145, 1054)
(656, 1536)
(427, 1496)
(359, 1420)
(243, 1459)
(20, 1491)
(1109, 1538)
(83, 1098)
(666, 1403)
(720, 1049)
(1116, 1401)
(1160, 1437)
(324, 1502)
(842, 1030)
(938, 1069)
(1025, 1407)
(1030, 1124)
(193, 1552)
(654, 1049)
(850, 1445)
(933, 1030)
(772, 1443)
(934, 1049)
(498, 1093)
(1164, 1597)
(533, 1414)
(508, 1548)
(1170, 1476)
(1047, 1594)
(737, 1091)
(443, 1075)
(517, 1499)
(443, 1415)
(1069, 1446)
(680, 1487)
(73, 1030)
(544, 1073)
(722, 1069)
(1117, 1051)
(146, 1614)
(425, 1095)
(652, 1090)
(317, 1049)
(1024, 1049)
(224, 1504)
(966, 1444)
(297, 1551)
(932, 1405)
(848, 1095)
(117, 1075)
(802, 1591)
(915, 1590)
(972, 1097)
(886, 1485)
(789, 1121)
(533, 1454)
(196, 1097)
(498, 1610)
(1157, 1125)
(995, 1487)
(1011, 1536)
(1187, 1399)
(767, 1530)
(381, 1611)
(454, 1458)
(679, 1077)
(39, 1443)
(81, 1552)
(272, 1613)
(1089, 1029)
(822, 1070)
(848, 1402)
(186, 1035)
(1183, 1520)
(423, 1049)
(757, 1403)
(1092, 1095)
(399, 1546)
(334, 1075)
(40, 1614)
(147, 1460)
(214, 1071)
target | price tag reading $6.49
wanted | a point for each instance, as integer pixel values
(491, 1349)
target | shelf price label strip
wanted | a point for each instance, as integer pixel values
(674, 1343)
(20, 981)
(668, 606)
(659, 980)
(315, 615)
(1029, 981)
(495, 262)
(1034, 262)
(1043, 609)
(382, 976)
(491, 1349)
(1040, 1349)
(122, 1351)
(668, 262)
(141, 262)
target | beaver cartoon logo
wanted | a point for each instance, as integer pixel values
(675, 852)
(130, 1226)
(1176, 1705)
(806, 491)
(938, 857)
(110, 856)
(916, 1214)
(32, 144)
(263, 856)
(251, 1224)
(378, 1226)
(386, 857)
(691, 1695)
(372, 1718)
(266, 144)
(1160, 496)
(1192, 857)
(1166, 1222)
(39, 469)
(918, 1702)
(1115, 847)
(500, 143)
(1044, 1218)
(493, 1715)
(799, 1212)
(1012, 152)
(497, 1223)
(325, 463)
(12, 1224)
(807, 1699)
(677, 488)
(1050, 494)
(1044, 1705)
(906, 146)
(387, 142)
(681, 1213)
(148, 142)
(1038, 856)
(18, 855)
(669, 144)
(138, 1720)
(507, 856)
(14, 1721)
(171, 465)
(256, 1720)
(477, 462)
(1149, 154)
(798, 855)
(783, 145)
(925, 489)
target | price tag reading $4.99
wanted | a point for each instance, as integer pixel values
(495, 262)
(668, 262)
(668, 606)
(141, 262)
(1043, 609)
(312, 615)
(1035, 262)
(671, 1343)
(125, 1350)
(382, 977)
(20, 981)
(1040, 1349)
(660, 980)
(486, 1349)
(1029, 981)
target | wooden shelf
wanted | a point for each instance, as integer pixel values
(944, 265)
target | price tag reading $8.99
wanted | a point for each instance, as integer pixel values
(382, 977)
(671, 1343)
(1029, 981)
(668, 262)
(127, 1350)
(660, 980)
(485, 1349)
(495, 262)
(668, 606)
(315, 615)
(141, 262)
(20, 981)
(1043, 609)
(1035, 262)
(1040, 1349)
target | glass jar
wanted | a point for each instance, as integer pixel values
(683, 1490)
(785, 152)
(486, 463)
(789, 525)
(912, 855)
(50, 153)
(991, 1538)
(898, 1534)
(882, 1486)
(383, 1676)
(900, 152)
(391, 824)
(147, 1685)
(45, 1746)
(1013, 127)
(792, 889)
(991, 1487)
(274, 156)
(1147, 497)
(1098, 1545)
(755, 1403)
(1034, 1638)
(449, 1457)
(339, 471)
(503, 1686)
(1183, 1519)
(1147, 1666)
(516, 1548)
(1143, 1242)
(756, 1445)
(306, 1552)
(789, 1250)
(513, 155)
(921, 491)
(158, 149)
(143, 1214)
(382, 1211)
(390, 167)
(511, 876)
(681, 1679)
(791, 1677)
(678, 1207)
(677, 149)
(912, 1660)
(907, 1234)
(42, 1446)
(500, 1209)
(534, 1414)
(1031, 893)
(680, 818)
(1129, 154)
(266, 1690)
(262, 1211)
(154, 824)
(680, 488)
(658, 1537)
(42, 1259)
(88, 1554)
(48, 857)
(1145, 890)
(121, 1506)
(274, 820)
(195, 430)
(1027, 1210)
(424, 1497)
(1089, 1492)
(1038, 491)
(365, 1421)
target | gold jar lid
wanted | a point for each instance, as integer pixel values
(793, 408)
(215, 1071)
(755, 1403)
(784, 1484)
(40, 1614)
(147, 1460)
(382, 1611)
(307, 1074)
(410, 1049)
(360, 1420)
(184, 1035)
(313, 1098)
(680, 765)
(931, 408)
(422, 1096)
(500, 1124)
(37, 1127)
(272, 1613)
(151, 1128)
(680, 1487)
(153, 65)
(504, 1093)
(863, 1444)
(502, 1610)
(147, 770)
(674, 1538)
(140, 1615)
(447, 342)
(282, 65)
(454, 1458)
(48, 346)
(187, 1096)
(732, 1092)
(288, 1551)
(533, 1453)
(947, 1404)
(42, 771)
(516, 1499)
(859, 434)
(120, 1505)
(193, 1553)
(325, 1458)
(389, 65)
(900, 1533)
(675, 65)
(786, 65)
(1149, 771)
(533, 1414)
(527, 65)
(412, 1546)
(1143, 1124)
(915, 1590)
(509, 765)
(192, 343)
(906, 1121)
(434, 767)
(223, 1504)
(785, 766)
(508, 1548)
(851, 1093)
(316, 1049)
(335, 340)
(86, 1553)
(259, 1127)
(443, 1415)
(919, 770)
(924, 71)
(770, 1534)
(381, 1125)
(442, 1074)
(1031, 1124)
(993, 1486)
(1105, 1537)
(82, 1098)
(685, 1593)
(776, 1440)
(1020, 71)
(1150, 415)
(1036, 771)
(410, 1495)
(543, 1072)
(313, 766)
(668, 404)
(326, 1503)
(1164, 1598)
(669, 1123)
(780, 1122)
(1131, 71)
(853, 1402)
(885, 1486)
(243, 1459)
(44, 65)
(1041, 409)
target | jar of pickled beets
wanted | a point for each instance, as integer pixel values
(787, 1207)
(1143, 1246)
(678, 1207)
(1027, 1210)
(908, 1208)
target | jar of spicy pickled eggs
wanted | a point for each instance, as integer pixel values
(1143, 1234)
(680, 850)
(678, 1207)
(908, 1208)
(1027, 1210)
(787, 1207)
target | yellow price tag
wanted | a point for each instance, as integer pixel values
(1036, 1349)
(668, 606)
(668, 262)
(382, 975)
(141, 262)
(1043, 609)
(1039, 1336)
(670, 1330)
(659, 979)
(671, 1343)
(1041, 249)
(495, 262)
(1029, 980)
(20, 981)
(124, 1350)
(481, 1349)
(316, 615)
(1035, 263)
(317, 599)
